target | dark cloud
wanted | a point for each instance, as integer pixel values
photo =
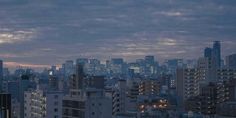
(49, 32)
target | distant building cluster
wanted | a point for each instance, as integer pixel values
(88, 88)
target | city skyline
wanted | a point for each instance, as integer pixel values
(39, 68)
(44, 33)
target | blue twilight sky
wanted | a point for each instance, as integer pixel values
(44, 32)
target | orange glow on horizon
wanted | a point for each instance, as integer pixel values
(25, 65)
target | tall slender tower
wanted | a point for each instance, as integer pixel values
(79, 76)
(216, 54)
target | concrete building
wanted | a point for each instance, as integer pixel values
(91, 103)
(86, 101)
(207, 70)
(204, 66)
(211, 96)
(43, 104)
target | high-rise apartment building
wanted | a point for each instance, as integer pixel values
(206, 70)
(43, 104)
(212, 95)
(119, 97)
(149, 87)
(205, 102)
(225, 74)
(77, 80)
(187, 85)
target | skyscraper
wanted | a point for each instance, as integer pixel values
(79, 76)
(208, 52)
(212, 61)
(216, 54)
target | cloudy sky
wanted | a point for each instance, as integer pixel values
(39, 33)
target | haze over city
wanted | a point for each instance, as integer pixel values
(117, 58)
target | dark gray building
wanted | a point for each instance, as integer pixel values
(5, 106)
(226, 110)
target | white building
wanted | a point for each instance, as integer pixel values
(42, 104)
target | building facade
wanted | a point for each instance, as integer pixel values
(91, 103)
(41, 104)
